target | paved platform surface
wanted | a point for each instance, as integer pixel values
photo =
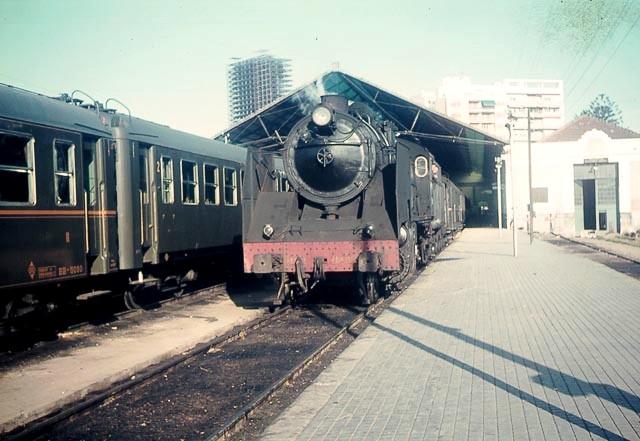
(42, 385)
(545, 346)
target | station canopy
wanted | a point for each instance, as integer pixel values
(465, 153)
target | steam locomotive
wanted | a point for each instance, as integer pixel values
(363, 204)
(96, 202)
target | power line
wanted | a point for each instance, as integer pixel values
(606, 63)
(612, 28)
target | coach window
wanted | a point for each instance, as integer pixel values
(17, 177)
(89, 161)
(189, 182)
(211, 185)
(421, 166)
(230, 187)
(166, 172)
(64, 172)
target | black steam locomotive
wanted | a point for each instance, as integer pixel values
(363, 204)
(94, 202)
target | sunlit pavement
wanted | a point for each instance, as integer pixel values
(483, 345)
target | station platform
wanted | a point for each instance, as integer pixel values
(484, 345)
(82, 362)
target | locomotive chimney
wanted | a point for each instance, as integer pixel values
(337, 103)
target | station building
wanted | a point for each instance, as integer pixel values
(585, 177)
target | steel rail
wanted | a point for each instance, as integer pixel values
(597, 248)
(39, 427)
(238, 421)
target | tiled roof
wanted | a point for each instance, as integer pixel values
(574, 130)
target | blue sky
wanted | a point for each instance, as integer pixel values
(166, 60)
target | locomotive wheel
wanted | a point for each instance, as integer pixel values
(369, 288)
(408, 258)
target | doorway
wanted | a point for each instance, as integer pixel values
(596, 189)
(589, 203)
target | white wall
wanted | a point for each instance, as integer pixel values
(552, 167)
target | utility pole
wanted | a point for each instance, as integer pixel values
(513, 189)
(530, 177)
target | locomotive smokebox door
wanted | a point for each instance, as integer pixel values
(330, 156)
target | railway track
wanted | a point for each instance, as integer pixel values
(239, 421)
(42, 426)
(598, 254)
(216, 388)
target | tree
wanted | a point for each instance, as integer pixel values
(603, 108)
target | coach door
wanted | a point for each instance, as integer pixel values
(100, 205)
(146, 222)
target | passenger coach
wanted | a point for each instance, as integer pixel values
(95, 202)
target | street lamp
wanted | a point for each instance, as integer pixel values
(595, 196)
(513, 190)
(498, 160)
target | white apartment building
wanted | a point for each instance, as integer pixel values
(487, 107)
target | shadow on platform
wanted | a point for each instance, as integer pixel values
(547, 377)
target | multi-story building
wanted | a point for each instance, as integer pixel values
(543, 99)
(256, 82)
(488, 106)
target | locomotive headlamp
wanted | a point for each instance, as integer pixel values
(368, 231)
(321, 116)
(403, 235)
(267, 231)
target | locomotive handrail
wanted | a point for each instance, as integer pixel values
(119, 102)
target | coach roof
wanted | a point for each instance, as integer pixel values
(23, 105)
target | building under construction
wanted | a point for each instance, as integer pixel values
(256, 82)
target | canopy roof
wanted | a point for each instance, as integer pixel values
(464, 152)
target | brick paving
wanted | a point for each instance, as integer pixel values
(485, 346)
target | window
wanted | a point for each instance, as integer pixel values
(143, 163)
(89, 161)
(488, 103)
(211, 185)
(63, 171)
(189, 182)
(421, 166)
(230, 187)
(540, 195)
(17, 177)
(166, 174)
